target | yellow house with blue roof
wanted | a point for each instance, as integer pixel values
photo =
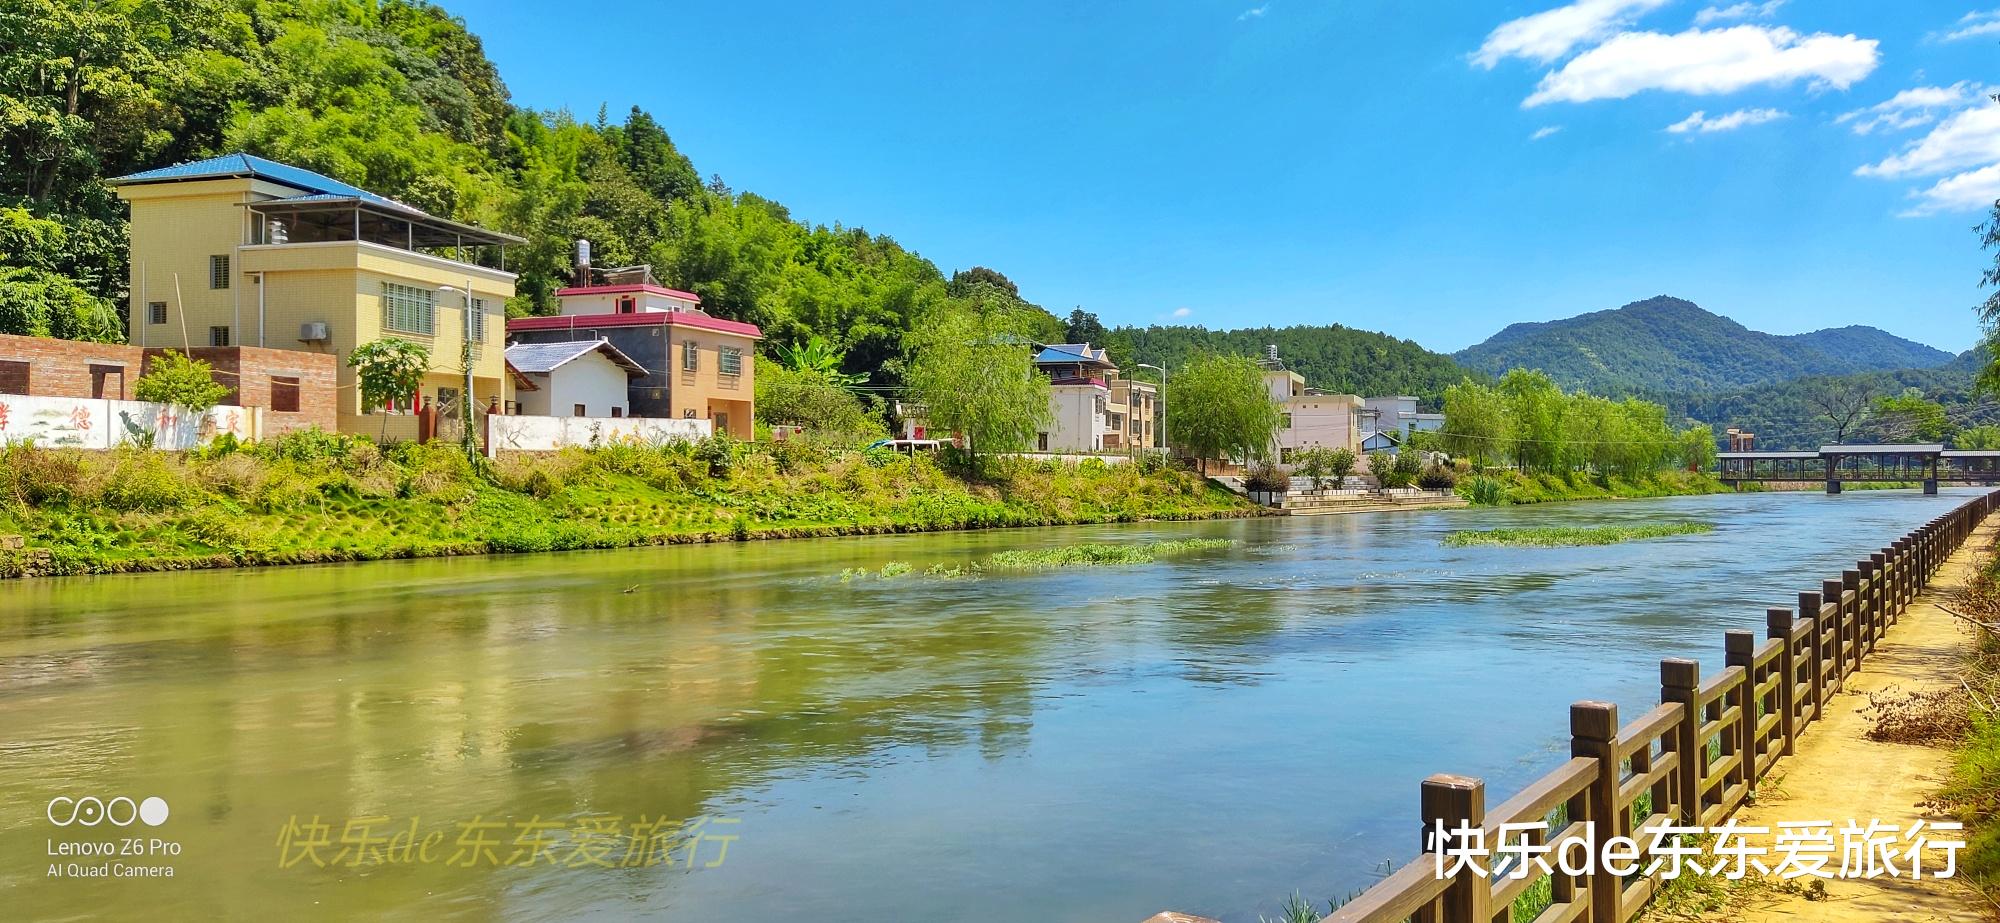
(238, 250)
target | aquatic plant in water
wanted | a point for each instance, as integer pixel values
(1563, 537)
(1096, 554)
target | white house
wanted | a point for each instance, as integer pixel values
(1080, 377)
(1387, 422)
(1311, 418)
(580, 378)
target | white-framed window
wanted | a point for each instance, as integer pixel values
(731, 362)
(690, 356)
(218, 271)
(408, 309)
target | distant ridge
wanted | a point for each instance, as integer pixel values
(1668, 344)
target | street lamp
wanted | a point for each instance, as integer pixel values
(1163, 404)
(465, 356)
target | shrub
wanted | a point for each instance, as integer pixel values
(1264, 476)
(172, 378)
(1485, 491)
(719, 452)
(142, 480)
(1437, 477)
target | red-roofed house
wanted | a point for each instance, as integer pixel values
(699, 367)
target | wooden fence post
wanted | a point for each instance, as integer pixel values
(1853, 616)
(1879, 566)
(1455, 801)
(1809, 605)
(1831, 590)
(1739, 649)
(1778, 624)
(1680, 681)
(1593, 733)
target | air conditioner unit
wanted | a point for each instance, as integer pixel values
(314, 332)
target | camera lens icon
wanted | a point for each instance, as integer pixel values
(89, 811)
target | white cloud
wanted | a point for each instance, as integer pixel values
(1968, 138)
(1703, 62)
(1255, 12)
(1714, 14)
(1700, 121)
(1912, 107)
(1550, 34)
(1972, 25)
(1973, 190)
(1544, 132)
(1183, 312)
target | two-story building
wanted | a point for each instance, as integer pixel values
(1387, 422)
(1309, 417)
(240, 250)
(696, 366)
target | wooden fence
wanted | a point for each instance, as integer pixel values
(1692, 761)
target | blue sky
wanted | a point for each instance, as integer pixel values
(1373, 163)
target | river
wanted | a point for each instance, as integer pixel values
(1207, 733)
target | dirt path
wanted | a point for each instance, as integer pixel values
(1837, 773)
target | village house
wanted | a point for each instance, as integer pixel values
(694, 366)
(1387, 422)
(576, 378)
(238, 250)
(1309, 417)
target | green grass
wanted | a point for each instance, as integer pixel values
(1097, 554)
(1564, 537)
(1512, 488)
(321, 498)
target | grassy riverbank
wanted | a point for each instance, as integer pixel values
(1507, 487)
(315, 497)
(1967, 719)
(1571, 537)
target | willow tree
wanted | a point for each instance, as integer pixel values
(1221, 408)
(972, 374)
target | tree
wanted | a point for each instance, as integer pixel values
(972, 375)
(1698, 447)
(389, 369)
(966, 281)
(1910, 415)
(1475, 421)
(43, 304)
(172, 378)
(1842, 402)
(1084, 327)
(1977, 438)
(816, 356)
(1221, 408)
(793, 397)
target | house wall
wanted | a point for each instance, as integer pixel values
(607, 303)
(705, 391)
(1322, 421)
(1078, 420)
(175, 227)
(247, 372)
(594, 381)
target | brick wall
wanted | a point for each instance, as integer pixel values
(72, 368)
(248, 371)
(62, 368)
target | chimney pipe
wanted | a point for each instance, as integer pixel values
(582, 263)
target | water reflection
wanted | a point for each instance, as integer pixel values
(1207, 733)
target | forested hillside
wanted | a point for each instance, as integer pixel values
(1667, 344)
(1333, 357)
(396, 96)
(1809, 412)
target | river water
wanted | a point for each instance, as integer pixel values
(1207, 733)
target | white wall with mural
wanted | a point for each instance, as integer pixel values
(547, 434)
(85, 423)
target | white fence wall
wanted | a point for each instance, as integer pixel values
(547, 434)
(85, 423)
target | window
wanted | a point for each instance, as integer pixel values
(617, 412)
(731, 362)
(408, 309)
(284, 394)
(218, 271)
(722, 423)
(218, 336)
(13, 377)
(107, 382)
(1041, 442)
(580, 411)
(627, 305)
(156, 312)
(478, 321)
(690, 357)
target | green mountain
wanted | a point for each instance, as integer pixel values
(1333, 357)
(1667, 344)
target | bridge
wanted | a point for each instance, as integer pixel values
(1837, 464)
